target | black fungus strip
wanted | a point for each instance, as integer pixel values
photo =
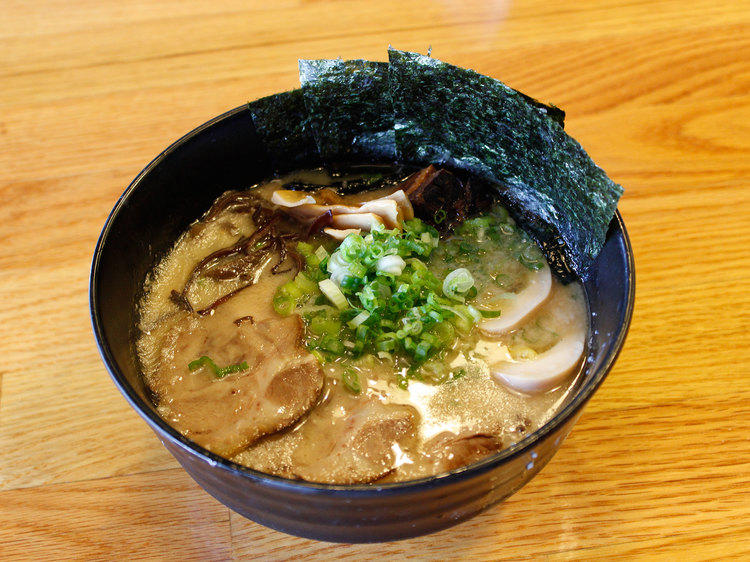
(180, 300)
(281, 247)
(237, 201)
(221, 300)
(241, 260)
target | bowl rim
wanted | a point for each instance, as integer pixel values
(165, 431)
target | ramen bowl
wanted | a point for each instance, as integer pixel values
(173, 191)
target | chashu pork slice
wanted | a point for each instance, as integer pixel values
(448, 451)
(226, 415)
(353, 440)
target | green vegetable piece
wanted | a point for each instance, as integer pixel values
(402, 381)
(351, 381)
(490, 313)
(457, 283)
(333, 293)
(350, 111)
(456, 117)
(401, 315)
(319, 356)
(286, 298)
(220, 372)
(283, 305)
(305, 284)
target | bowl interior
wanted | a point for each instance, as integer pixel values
(181, 183)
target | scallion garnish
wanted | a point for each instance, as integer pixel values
(334, 294)
(490, 313)
(391, 265)
(351, 380)
(375, 293)
(387, 301)
(206, 361)
(457, 283)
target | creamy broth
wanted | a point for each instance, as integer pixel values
(298, 419)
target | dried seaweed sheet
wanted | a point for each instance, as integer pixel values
(281, 121)
(551, 111)
(350, 110)
(459, 118)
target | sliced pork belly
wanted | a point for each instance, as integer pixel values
(227, 414)
(350, 440)
(447, 451)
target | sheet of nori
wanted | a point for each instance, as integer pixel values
(459, 118)
(553, 112)
(281, 121)
(350, 110)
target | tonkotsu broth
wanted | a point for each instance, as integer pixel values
(384, 433)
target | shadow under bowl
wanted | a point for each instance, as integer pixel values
(173, 191)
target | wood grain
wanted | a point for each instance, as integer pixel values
(658, 92)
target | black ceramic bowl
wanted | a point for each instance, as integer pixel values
(175, 189)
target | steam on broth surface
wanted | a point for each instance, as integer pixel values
(334, 338)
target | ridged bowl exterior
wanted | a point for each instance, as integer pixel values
(174, 190)
(377, 514)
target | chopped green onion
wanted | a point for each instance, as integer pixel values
(304, 248)
(457, 283)
(377, 250)
(319, 356)
(283, 305)
(205, 361)
(475, 314)
(287, 297)
(385, 299)
(362, 332)
(393, 265)
(463, 321)
(351, 381)
(402, 381)
(490, 313)
(359, 318)
(423, 348)
(352, 247)
(357, 270)
(440, 215)
(334, 294)
(305, 284)
(350, 283)
(324, 324)
(458, 373)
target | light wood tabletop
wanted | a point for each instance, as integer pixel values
(658, 92)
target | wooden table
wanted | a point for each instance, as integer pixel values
(658, 92)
